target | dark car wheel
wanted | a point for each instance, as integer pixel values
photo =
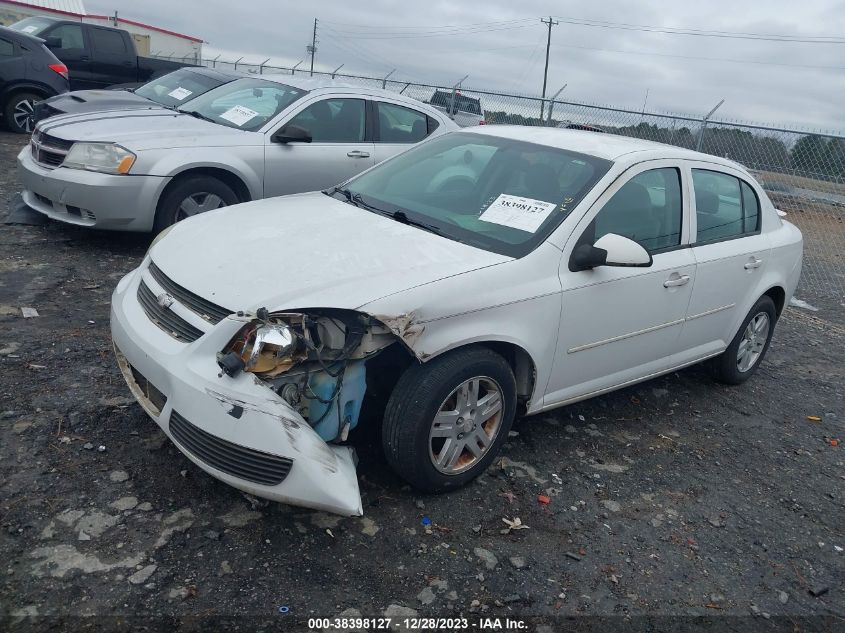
(19, 111)
(747, 349)
(447, 419)
(190, 197)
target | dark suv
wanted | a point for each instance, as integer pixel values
(29, 72)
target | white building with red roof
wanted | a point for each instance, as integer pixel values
(149, 39)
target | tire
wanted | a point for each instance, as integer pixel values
(423, 391)
(206, 192)
(18, 112)
(729, 368)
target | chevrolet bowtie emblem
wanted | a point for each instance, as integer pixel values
(164, 300)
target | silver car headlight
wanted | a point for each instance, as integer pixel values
(107, 158)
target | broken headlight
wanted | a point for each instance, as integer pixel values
(263, 347)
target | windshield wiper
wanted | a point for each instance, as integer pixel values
(400, 216)
(346, 194)
(198, 115)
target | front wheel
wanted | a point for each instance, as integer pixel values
(446, 420)
(190, 197)
(19, 112)
(747, 349)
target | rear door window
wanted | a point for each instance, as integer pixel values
(108, 42)
(398, 124)
(725, 206)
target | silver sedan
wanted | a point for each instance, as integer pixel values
(142, 170)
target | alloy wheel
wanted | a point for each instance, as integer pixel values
(753, 341)
(24, 115)
(199, 202)
(466, 425)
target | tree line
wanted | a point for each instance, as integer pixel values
(811, 155)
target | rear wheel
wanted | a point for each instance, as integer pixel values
(446, 420)
(190, 197)
(19, 112)
(747, 349)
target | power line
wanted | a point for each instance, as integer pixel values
(400, 29)
(698, 58)
(815, 39)
(425, 35)
(354, 49)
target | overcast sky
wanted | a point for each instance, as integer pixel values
(792, 87)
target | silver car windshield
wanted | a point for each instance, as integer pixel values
(498, 194)
(178, 87)
(245, 104)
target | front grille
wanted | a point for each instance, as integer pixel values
(54, 141)
(149, 390)
(233, 459)
(165, 318)
(211, 312)
(48, 150)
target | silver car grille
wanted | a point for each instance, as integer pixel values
(48, 151)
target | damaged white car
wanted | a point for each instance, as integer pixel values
(484, 273)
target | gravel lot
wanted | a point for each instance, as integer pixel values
(677, 497)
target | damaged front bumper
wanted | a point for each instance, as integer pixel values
(236, 429)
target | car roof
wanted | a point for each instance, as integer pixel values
(608, 146)
(217, 73)
(320, 84)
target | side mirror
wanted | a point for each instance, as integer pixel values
(610, 250)
(53, 42)
(291, 134)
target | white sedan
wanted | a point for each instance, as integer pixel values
(485, 273)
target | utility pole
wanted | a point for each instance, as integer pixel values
(313, 48)
(550, 23)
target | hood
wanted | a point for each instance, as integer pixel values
(98, 100)
(306, 251)
(146, 128)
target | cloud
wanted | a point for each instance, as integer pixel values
(599, 65)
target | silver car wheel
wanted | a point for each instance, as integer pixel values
(466, 425)
(753, 341)
(23, 114)
(199, 202)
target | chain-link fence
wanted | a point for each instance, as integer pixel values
(803, 171)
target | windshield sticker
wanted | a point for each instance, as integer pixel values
(516, 212)
(29, 29)
(179, 93)
(238, 115)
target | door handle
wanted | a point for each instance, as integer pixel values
(85, 58)
(128, 64)
(754, 262)
(356, 153)
(681, 280)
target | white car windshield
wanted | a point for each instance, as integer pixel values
(179, 87)
(245, 104)
(498, 194)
